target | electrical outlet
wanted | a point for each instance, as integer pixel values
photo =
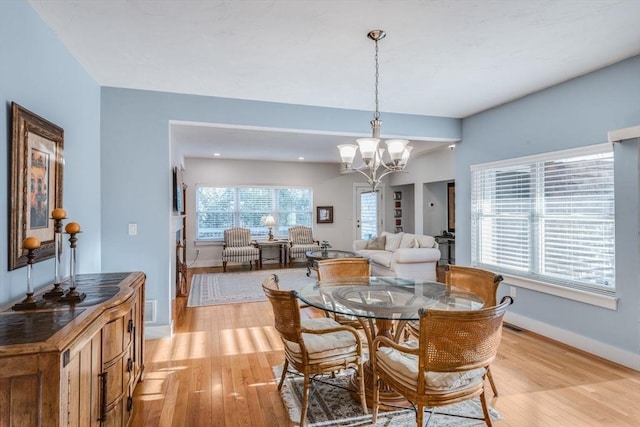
(133, 229)
(512, 292)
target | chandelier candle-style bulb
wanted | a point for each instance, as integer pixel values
(31, 244)
(73, 296)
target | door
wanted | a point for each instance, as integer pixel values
(368, 215)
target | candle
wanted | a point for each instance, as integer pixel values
(31, 243)
(58, 213)
(72, 228)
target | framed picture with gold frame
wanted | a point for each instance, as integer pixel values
(36, 183)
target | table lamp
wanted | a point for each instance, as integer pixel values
(270, 221)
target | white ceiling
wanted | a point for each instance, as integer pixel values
(449, 58)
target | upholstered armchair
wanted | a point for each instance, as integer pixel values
(300, 241)
(238, 248)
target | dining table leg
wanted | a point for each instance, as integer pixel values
(389, 398)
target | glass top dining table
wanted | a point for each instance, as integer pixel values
(390, 298)
(384, 304)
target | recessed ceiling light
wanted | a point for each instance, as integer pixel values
(216, 154)
(300, 158)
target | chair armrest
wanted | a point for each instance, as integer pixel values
(388, 342)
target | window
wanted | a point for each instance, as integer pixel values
(220, 208)
(549, 218)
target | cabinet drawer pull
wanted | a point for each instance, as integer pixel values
(129, 403)
(130, 326)
(129, 365)
(103, 403)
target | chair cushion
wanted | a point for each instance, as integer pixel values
(240, 251)
(241, 254)
(323, 346)
(376, 243)
(300, 250)
(383, 258)
(404, 367)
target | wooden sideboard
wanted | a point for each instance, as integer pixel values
(74, 365)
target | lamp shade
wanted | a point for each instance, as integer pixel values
(347, 153)
(396, 148)
(269, 221)
(405, 155)
(368, 147)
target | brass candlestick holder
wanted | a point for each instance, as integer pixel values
(29, 303)
(57, 215)
(73, 296)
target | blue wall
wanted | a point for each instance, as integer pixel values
(577, 113)
(136, 162)
(117, 168)
(37, 72)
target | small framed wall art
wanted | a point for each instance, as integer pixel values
(324, 214)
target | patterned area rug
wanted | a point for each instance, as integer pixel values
(232, 288)
(333, 406)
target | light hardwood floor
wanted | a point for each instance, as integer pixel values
(216, 371)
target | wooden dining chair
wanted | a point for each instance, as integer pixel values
(346, 272)
(448, 362)
(335, 270)
(481, 282)
(313, 346)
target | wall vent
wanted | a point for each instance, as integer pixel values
(150, 310)
(512, 328)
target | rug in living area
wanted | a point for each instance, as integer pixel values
(231, 288)
(333, 406)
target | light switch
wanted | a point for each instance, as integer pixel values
(133, 229)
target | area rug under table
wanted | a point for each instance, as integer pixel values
(230, 288)
(333, 406)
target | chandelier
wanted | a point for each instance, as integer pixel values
(373, 167)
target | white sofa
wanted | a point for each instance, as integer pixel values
(405, 255)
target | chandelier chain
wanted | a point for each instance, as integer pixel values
(377, 113)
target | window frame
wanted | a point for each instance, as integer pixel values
(256, 233)
(604, 296)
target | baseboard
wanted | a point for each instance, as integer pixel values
(606, 351)
(157, 332)
(206, 263)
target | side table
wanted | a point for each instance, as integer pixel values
(448, 243)
(281, 245)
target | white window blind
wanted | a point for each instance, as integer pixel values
(220, 208)
(549, 218)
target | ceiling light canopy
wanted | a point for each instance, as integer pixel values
(373, 167)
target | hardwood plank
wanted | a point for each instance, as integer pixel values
(217, 371)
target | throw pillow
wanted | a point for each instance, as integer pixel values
(425, 242)
(408, 240)
(393, 241)
(376, 243)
